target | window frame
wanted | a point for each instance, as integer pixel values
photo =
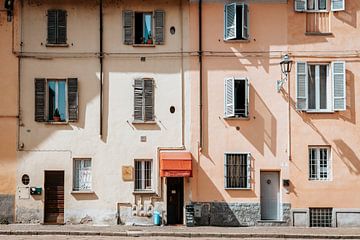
(318, 164)
(143, 106)
(143, 174)
(47, 99)
(74, 189)
(248, 171)
(316, 7)
(57, 43)
(246, 96)
(143, 27)
(244, 11)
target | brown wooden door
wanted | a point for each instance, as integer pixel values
(175, 200)
(54, 197)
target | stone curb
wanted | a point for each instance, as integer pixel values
(177, 234)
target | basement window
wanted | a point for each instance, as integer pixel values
(320, 217)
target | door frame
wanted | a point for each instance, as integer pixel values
(182, 199)
(44, 212)
(280, 208)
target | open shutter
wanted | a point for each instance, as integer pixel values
(230, 21)
(300, 5)
(229, 97)
(73, 104)
(159, 17)
(138, 100)
(245, 21)
(128, 21)
(337, 5)
(247, 86)
(40, 90)
(52, 26)
(248, 176)
(301, 86)
(61, 27)
(339, 81)
(149, 99)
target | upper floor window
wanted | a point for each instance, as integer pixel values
(319, 5)
(316, 5)
(319, 89)
(144, 27)
(236, 25)
(56, 27)
(144, 100)
(56, 100)
(236, 102)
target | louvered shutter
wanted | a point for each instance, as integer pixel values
(52, 26)
(230, 21)
(149, 99)
(128, 21)
(300, 5)
(301, 86)
(61, 27)
(248, 177)
(337, 5)
(40, 90)
(138, 99)
(247, 86)
(229, 97)
(339, 84)
(245, 22)
(159, 16)
(73, 104)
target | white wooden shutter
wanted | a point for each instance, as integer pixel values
(230, 21)
(248, 177)
(300, 5)
(128, 24)
(247, 86)
(339, 85)
(337, 5)
(245, 21)
(229, 97)
(301, 86)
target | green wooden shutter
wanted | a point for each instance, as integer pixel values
(229, 97)
(52, 26)
(159, 17)
(230, 21)
(300, 5)
(149, 99)
(245, 22)
(339, 85)
(61, 27)
(128, 24)
(73, 104)
(138, 99)
(337, 5)
(40, 93)
(301, 86)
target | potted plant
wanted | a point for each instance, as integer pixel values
(56, 116)
(149, 40)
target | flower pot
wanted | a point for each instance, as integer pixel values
(56, 119)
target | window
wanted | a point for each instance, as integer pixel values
(144, 100)
(319, 163)
(82, 175)
(236, 97)
(56, 100)
(237, 170)
(236, 25)
(143, 175)
(56, 27)
(320, 217)
(318, 5)
(144, 27)
(319, 89)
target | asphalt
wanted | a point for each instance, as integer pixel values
(181, 231)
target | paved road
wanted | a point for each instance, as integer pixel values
(114, 238)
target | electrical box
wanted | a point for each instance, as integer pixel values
(197, 210)
(35, 190)
(286, 182)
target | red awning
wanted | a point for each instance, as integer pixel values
(175, 164)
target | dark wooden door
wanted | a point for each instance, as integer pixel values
(175, 200)
(54, 197)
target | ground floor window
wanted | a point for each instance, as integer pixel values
(237, 170)
(143, 175)
(82, 175)
(319, 163)
(320, 217)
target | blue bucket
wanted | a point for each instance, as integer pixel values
(156, 218)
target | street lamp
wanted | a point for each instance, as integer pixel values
(286, 65)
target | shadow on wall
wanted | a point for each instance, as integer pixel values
(349, 16)
(348, 156)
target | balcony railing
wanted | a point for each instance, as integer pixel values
(318, 23)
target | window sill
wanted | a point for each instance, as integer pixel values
(318, 34)
(237, 118)
(144, 192)
(319, 111)
(237, 41)
(143, 45)
(143, 122)
(238, 189)
(57, 123)
(57, 45)
(82, 192)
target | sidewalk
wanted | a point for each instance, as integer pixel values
(182, 231)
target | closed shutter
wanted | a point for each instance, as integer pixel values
(229, 97)
(128, 21)
(339, 83)
(230, 21)
(73, 104)
(52, 26)
(300, 5)
(138, 100)
(149, 99)
(159, 16)
(61, 27)
(337, 5)
(247, 86)
(40, 89)
(245, 21)
(301, 86)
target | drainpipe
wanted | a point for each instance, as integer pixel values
(18, 144)
(200, 74)
(101, 56)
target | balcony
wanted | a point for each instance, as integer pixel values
(318, 23)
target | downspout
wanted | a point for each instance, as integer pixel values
(101, 56)
(18, 144)
(200, 74)
(182, 76)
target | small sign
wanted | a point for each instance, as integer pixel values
(143, 139)
(127, 173)
(24, 192)
(173, 191)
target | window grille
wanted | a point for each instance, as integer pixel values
(143, 175)
(237, 170)
(82, 174)
(320, 217)
(319, 163)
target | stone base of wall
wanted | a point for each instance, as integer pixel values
(7, 206)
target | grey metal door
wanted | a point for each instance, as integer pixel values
(270, 195)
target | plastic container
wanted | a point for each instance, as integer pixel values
(157, 218)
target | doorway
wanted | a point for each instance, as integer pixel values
(175, 200)
(270, 195)
(54, 197)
